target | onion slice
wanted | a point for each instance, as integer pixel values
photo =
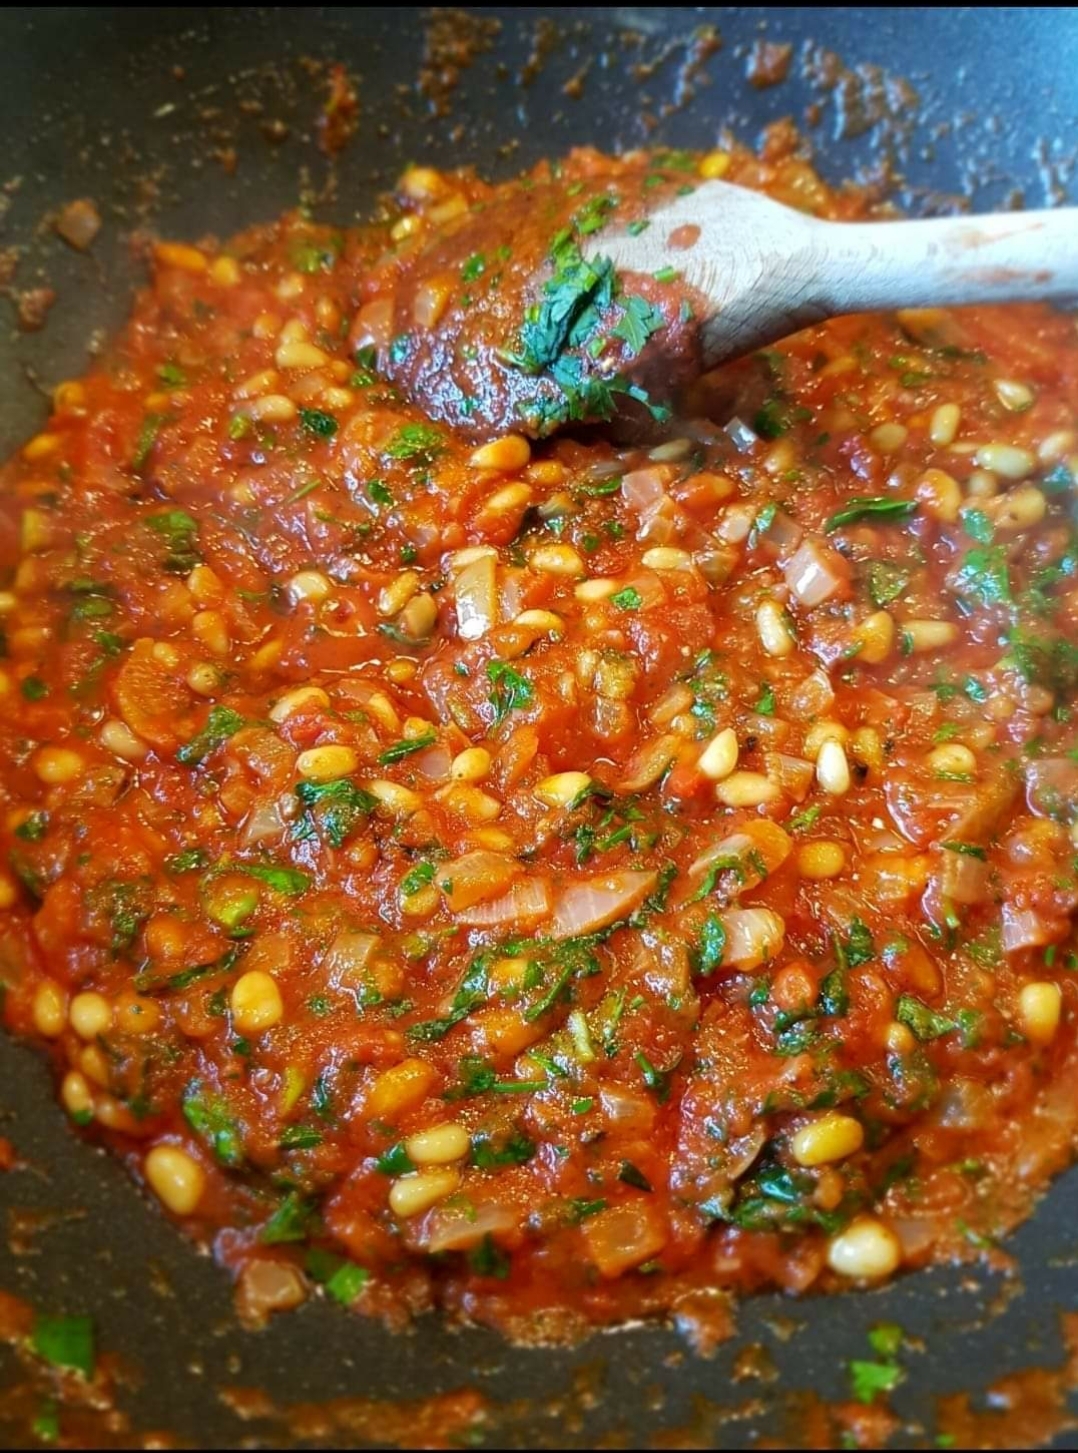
(596, 903)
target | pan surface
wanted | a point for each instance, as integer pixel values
(141, 108)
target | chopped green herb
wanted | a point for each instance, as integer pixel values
(299, 1137)
(868, 1379)
(221, 724)
(510, 691)
(978, 526)
(776, 417)
(763, 521)
(765, 702)
(316, 422)
(33, 828)
(147, 438)
(336, 808)
(46, 1424)
(33, 688)
(632, 1176)
(289, 1222)
(65, 1342)
(187, 861)
(627, 599)
(395, 1161)
(473, 268)
(209, 1117)
(179, 530)
(488, 1259)
(886, 1339)
(311, 255)
(109, 642)
(970, 850)
(923, 1023)
(804, 820)
(708, 955)
(171, 375)
(580, 1208)
(400, 750)
(870, 507)
(984, 576)
(658, 1081)
(886, 582)
(417, 442)
(666, 275)
(639, 321)
(343, 1280)
(488, 1154)
(289, 881)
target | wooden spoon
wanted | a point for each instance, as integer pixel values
(555, 307)
(764, 270)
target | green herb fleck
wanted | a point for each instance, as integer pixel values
(870, 507)
(65, 1342)
(322, 425)
(221, 724)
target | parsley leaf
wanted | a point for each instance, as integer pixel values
(869, 1378)
(708, 955)
(322, 425)
(400, 750)
(870, 507)
(510, 691)
(221, 724)
(336, 808)
(639, 321)
(65, 1342)
(922, 1022)
(209, 1117)
(417, 442)
(983, 576)
(289, 881)
(886, 582)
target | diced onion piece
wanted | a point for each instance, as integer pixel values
(1026, 928)
(962, 877)
(764, 838)
(649, 762)
(623, 1236)
(455, 1228)
(475, 592)
(1052, 786)
(526, 903)
(643, 489)
(815, 573)
(792, 775)
(741, 436)
(150, 694)
(753, 936)
(434, 763)
(595, 903)
(477, 877)
(267, 1286)
(265, 824)
(373, 327)
(349, 955)
(629, 1112)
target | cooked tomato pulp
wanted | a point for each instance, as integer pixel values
(547, 879)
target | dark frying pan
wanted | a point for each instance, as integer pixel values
(130, 106)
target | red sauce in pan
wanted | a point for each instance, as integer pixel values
(546, 879)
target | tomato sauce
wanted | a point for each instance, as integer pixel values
(546, 880)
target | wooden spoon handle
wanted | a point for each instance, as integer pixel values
(761, 270)
(952, 261)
